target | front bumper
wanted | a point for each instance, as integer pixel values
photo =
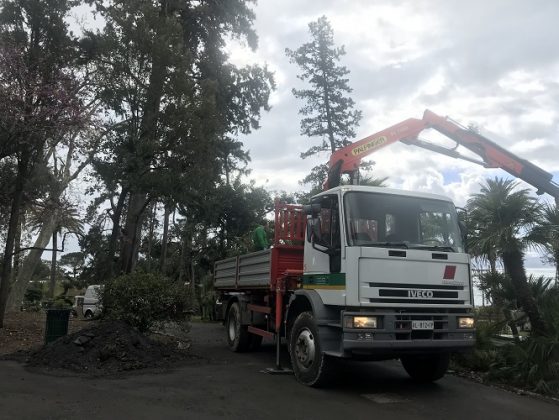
(395, 334)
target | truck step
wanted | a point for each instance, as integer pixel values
(259, 331)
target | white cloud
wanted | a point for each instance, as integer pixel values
(491, 64)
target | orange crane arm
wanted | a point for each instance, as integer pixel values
(347, 159)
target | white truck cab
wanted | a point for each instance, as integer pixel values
(395, 261)
(380, 239)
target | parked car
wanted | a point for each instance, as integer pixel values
(91, 306)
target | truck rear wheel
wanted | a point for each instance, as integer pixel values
(310, 365)
(426, 368)
(238, 337)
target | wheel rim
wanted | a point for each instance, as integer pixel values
(232, 330)
(305, 349)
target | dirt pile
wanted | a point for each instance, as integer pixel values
(107, 348)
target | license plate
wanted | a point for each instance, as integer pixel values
(423, 325)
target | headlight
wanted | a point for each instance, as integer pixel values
(360, 322)
(465, 322)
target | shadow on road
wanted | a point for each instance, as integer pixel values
(352, 377)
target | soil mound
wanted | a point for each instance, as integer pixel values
(106, 348)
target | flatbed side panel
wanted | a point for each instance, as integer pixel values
(254, 269)
(225, 273)
(257, 269)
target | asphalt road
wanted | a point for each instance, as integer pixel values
(226, 385)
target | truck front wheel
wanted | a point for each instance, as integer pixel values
(426, 368)
(238, 337)
(309, 363)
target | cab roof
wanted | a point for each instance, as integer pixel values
(382, 190)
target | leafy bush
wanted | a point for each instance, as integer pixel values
(548, 303)
(144, 299)
(485, 355)
(33, 295)
(533, 364)
(32, 298)
(61, 303)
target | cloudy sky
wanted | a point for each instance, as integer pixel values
(491, 63)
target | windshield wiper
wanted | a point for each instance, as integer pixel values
(387, 244)
(435, 248)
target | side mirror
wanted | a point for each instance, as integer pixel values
(463, 228)
(464, 233)
(314, 232)
(309, 229)
(317, 230)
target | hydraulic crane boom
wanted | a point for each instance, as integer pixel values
(347, 160)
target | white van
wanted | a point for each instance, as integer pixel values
(91, 305)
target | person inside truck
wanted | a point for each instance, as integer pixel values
(364, 231)
(260, 238)
(401, 227)
(398, 228)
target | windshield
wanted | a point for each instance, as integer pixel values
(384, 220)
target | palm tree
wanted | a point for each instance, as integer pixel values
(546, 233)
(540, 285)
(371, 181)
(500, 215)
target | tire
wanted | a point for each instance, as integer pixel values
(426, 368)
(310, 365)
(238, 338)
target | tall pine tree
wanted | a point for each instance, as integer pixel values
(329, 112)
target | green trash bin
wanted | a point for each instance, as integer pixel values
(57, 324)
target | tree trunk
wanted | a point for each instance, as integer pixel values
(512, 324)
(147, 137)
(164, 239)
(17, 204)
(557, 267)
(182, 265)
(31, 262)
(501, 304)
(115, 232)
(17, 252)
(150, 237)
(133, 231)
(23, 275)
(513, 260)
(52, 284)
